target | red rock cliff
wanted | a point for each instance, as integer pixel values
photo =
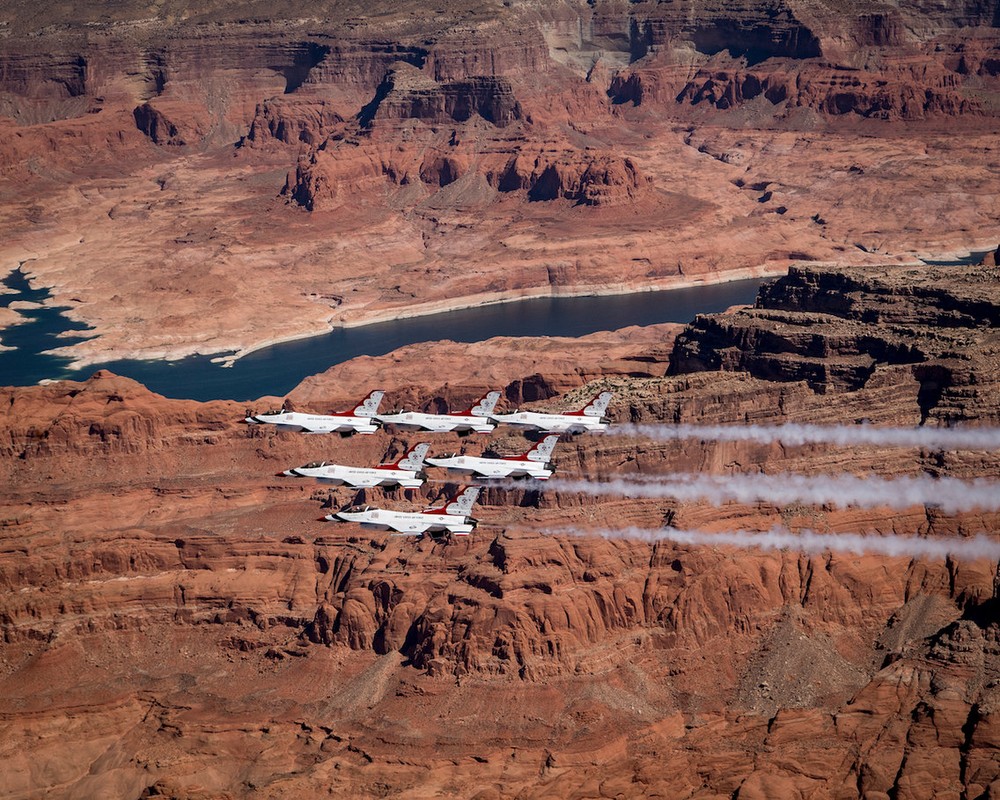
(171, 601)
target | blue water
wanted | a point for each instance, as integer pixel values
(276, 370)
(27, 364)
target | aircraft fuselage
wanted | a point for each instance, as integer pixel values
(495, 467)
(552, 423)
(439, 423)
(316, 423)
(360, 477)
(408, 521)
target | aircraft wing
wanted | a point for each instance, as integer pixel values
(413, 527)
(498, 470)
(316, 427)
(400, 422)
(565, 426)
(438, 425)
(363, 482)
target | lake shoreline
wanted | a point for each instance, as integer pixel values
(487, 300)
(269, 367)
(275, 370)
(226, 355)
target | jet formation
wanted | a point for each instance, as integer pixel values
(454, 516)
(479, 418)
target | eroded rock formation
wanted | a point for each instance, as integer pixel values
(933, 327)
(471, 153)
(176, 622)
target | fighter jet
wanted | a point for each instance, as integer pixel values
(405, 471)
(589, 418)
(361, 419)
(476, 418)
(533, 464)
(453, 517)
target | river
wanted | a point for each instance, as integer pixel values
(276, 370)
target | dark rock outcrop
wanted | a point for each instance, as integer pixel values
(407, 93)
(903, 91)
(155, 124)
(841, 330)
(299, 121)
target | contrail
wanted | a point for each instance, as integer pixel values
(948, 494)
(978, 546)
(794, 434)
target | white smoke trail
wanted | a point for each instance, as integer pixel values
(948, 494)
(975, 547)
(793, 434)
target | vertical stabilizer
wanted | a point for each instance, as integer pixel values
(412, 458)
(460, 504)
(463, 501)
(542, 451)
(369, 406)
(596, 407)
(484, 406)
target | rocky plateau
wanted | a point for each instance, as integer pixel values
(214, 177)
(175, 619)
(177, 623)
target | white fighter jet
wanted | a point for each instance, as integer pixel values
(533, 464)
(361, 419)
(405, 471)
(475, 419)
(589, 418)
(453, 517)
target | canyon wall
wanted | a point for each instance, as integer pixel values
(932, 327)
(367, 163)
(178, 623)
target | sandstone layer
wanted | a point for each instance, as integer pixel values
(932, 328)
(178, 623)
(213, 178)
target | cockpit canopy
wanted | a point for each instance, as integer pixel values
(358, 509)
(274, 412)
(314, 465)
(447, 455)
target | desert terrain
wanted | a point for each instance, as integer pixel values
(214, 179)
(178, 621)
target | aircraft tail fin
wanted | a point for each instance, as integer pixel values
(369, 406)
(463, 501)
(484, 406)
(412, 458)
(460, 504)
(595, 408)
(542, 451)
